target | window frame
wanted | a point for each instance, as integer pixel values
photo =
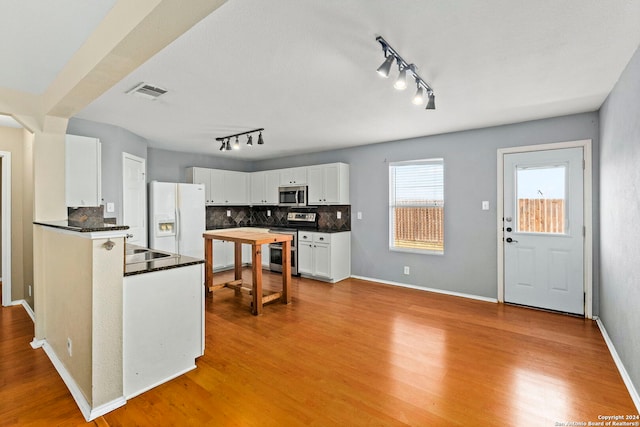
(393, 205)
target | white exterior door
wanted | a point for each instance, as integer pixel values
(544, 229)
(134, 198)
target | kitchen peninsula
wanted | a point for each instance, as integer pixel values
(114, 330)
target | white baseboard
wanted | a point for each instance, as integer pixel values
(27, 307)
(169, 378)
(422, 288)
(88, 412)
(616, 358)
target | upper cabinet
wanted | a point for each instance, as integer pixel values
(328, 184)
(83, 176)
(293, 176)
(222, 187)
(264, 187)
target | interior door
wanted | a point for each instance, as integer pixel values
(544, 229)
(134, 198)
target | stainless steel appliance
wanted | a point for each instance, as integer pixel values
(275, 251)
(294, 219)
(292, 196)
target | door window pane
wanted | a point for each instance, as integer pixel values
(541, 199)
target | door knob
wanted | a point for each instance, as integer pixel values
(510, 240)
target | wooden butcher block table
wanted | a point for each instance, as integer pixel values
(256, 239)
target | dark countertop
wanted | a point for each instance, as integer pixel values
(81, 227)
(159, 264)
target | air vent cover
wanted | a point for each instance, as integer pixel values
(146, 90)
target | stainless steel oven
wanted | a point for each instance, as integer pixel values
(306, 219)
(275, 251)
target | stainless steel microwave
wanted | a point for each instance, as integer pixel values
(292, 196)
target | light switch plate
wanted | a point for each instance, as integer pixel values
(485, 205)
(228, 212)
(111, 207)
(268, 212)
(338, 214)
(359, 215)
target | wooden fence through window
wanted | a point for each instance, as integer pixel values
(423, 227)
(541, 215)
(419, 227)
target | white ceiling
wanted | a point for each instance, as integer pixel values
(305, 70)
(40, 36)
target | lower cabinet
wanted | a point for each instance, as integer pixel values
(324, 256)
(222, 255)
(163, 326)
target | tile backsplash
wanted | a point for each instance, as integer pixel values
(92, 216)
(258, 216)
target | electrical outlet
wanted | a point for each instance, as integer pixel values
(406, 270)
(268, 212)
(111, 207)
(359, 215)
(485, 205)
(69, 347)
(29, 290)
(228, 212)
(338, 214)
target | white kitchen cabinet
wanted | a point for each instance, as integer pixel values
(222, 255)
(162, 326)
(222, 187)
(324, 256)
(83, 175)
(328, 184)
(293, 176)
(265, 256)
(264, 187)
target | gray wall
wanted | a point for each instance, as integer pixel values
(620, 210)
(469, 264)
(170, 166)
(115, 141)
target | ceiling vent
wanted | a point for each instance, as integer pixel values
(145, 90)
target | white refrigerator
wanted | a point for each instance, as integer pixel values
(177, 218)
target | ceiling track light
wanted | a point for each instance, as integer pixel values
(226, 140)
(404, 67)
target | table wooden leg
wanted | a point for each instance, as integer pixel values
(208, 263)
(237, 263)
(286, 272)
(256, 269)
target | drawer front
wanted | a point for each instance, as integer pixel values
(321, 237)
(305, 236)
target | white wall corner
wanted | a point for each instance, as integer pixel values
(27, 308)
(616, 358)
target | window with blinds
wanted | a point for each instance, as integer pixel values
(416, 206)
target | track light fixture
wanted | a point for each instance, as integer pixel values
(401, 81)
(392, 55)
(226, 140)
(385, 68)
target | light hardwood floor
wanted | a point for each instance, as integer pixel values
(354, 353)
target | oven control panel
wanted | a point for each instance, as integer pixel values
(301, 216)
